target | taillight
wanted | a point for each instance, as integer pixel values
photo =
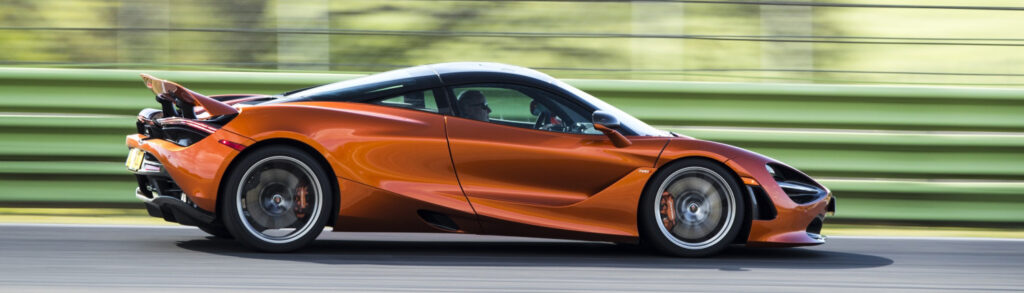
(200, 126)
(181, 131)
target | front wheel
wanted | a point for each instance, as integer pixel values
(692, 208)
(277, 199)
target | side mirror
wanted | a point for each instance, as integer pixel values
(605, 119)
(606, 123)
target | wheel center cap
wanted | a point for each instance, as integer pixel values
(278, 198)
(693, 207)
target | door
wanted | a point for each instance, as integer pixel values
(397, 174)
(515, 146)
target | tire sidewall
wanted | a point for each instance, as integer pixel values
(233, 220)
(649, 221)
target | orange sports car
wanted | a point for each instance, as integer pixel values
(462, 148)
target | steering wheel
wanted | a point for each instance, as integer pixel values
(542, 120)
(547, 120)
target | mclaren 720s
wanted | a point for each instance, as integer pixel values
(479, 148)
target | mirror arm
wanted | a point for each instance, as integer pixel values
(617, 138)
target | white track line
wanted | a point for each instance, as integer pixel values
(683, 129)
(927, 238)
(179, 227)
(986, 182)
(49, 225)
(59, 115)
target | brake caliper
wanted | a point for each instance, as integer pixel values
(668, 214)
(300, 198)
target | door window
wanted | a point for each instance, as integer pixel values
(522, 106)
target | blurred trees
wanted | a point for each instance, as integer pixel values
(654, 40)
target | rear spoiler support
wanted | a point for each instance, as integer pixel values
(167, 107)
(169, 93)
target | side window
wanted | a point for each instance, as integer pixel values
(522, 106)
(419, 100)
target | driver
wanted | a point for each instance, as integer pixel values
(473, 105)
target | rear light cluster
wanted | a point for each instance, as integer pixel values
(181, 131)
(194, 125)
(800, 188)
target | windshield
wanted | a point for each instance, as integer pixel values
(641, 128)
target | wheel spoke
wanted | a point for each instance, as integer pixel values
(703, 186)
(705, 227)
(676, 188)
(711, 193)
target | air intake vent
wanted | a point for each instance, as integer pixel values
(438, 220)
(761, 205)
(815, 226)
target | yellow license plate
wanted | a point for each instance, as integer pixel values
(135, 157)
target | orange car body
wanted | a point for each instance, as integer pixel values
(391, 164)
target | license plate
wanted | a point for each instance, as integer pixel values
(135, 157)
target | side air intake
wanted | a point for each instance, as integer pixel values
(438, 220)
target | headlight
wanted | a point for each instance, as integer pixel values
(800, 188)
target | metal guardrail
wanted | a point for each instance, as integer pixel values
(927, 154)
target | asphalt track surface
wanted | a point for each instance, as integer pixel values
(49, 258)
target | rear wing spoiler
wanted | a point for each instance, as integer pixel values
(171, 94)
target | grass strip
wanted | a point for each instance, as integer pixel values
(79, 216)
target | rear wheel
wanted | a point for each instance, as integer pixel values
(693, 208)
(277, 199)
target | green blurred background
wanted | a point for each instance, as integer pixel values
(909, 110)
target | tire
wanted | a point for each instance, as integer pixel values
(277, 199)
(691, 208)
(216, 229)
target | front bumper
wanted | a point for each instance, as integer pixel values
(795, 225)
(790, 223)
